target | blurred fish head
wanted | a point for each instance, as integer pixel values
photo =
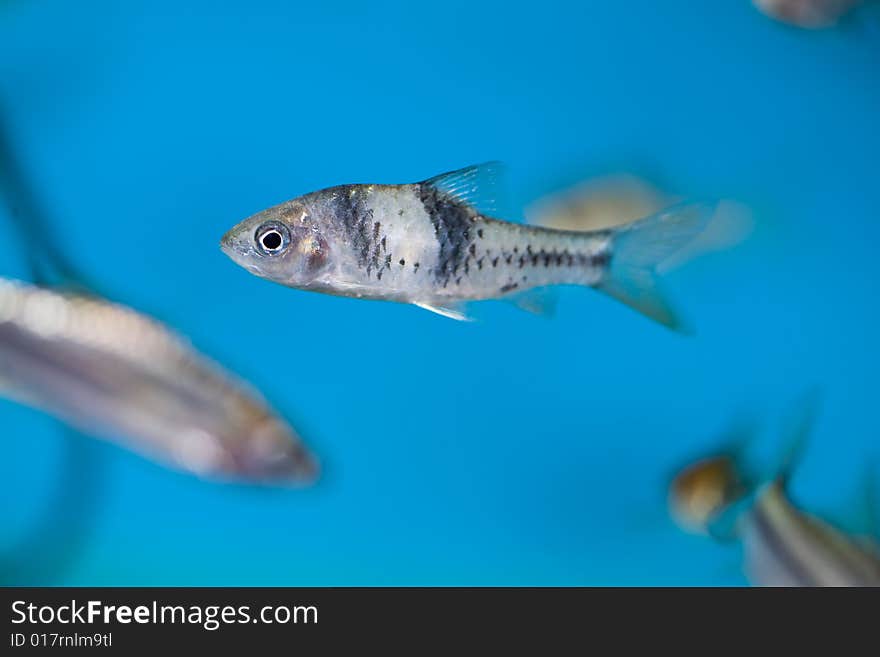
(273, 454)
(256, 449)
(287, 244)
(701, 492)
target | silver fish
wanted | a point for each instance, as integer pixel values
(431, 245)
(111, 371)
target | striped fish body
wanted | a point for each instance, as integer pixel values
(786, 547)
(413, 243)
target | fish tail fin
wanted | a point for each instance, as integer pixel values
(637, 250)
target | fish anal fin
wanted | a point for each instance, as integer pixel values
(539, 301)
(638, 289)
(452, 311)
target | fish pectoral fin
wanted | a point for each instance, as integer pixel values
(539, 301)
(725, 526)
(452, 311)
(480, 186)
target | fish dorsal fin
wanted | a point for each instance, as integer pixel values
(797, 427)
(479, 186)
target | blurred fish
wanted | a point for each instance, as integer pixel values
(788, 547)
(434, 245)
(600, 202)
(807, 14)
(784, 545)
(618, 199)
(703, 490)
(111, 371)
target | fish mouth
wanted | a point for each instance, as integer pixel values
(234, 246)
(296, 468)
(305, 470)
(227, 242)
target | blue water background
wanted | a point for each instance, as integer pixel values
(514, 450)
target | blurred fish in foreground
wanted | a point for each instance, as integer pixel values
(784, 545)
(807, 14)
(109, 370)
(617, 199)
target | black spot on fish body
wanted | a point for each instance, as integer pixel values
(400, 212)
(480, 263)
(467, 268)
(452, 227)
(600, 259)
(416, 266)
(495, 261)
(480, 233)
(522, 261)
(384, 248)
(388, 260)
(402, 262)
(348, 203)
(508, 258)
(507, 288)
(458, 281)
(473, 250)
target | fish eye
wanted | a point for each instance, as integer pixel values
(272, 238)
